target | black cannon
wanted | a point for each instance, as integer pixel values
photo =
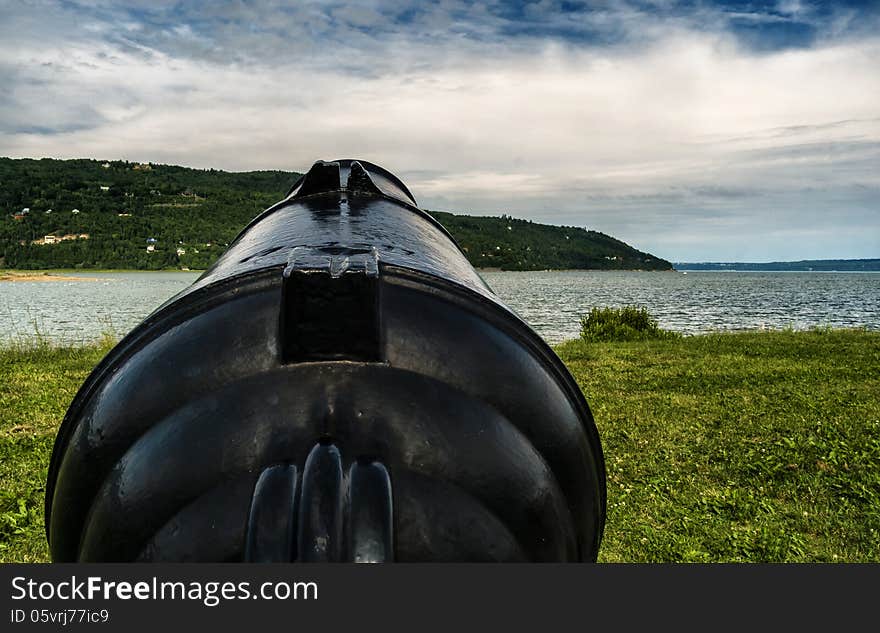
(340, 386)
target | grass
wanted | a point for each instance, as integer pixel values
(738, 447)
(726, 447)
(37, 383)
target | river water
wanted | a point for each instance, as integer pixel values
(551, 302)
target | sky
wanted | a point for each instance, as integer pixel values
(697, 131)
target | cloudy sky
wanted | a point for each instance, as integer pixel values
(699, 131)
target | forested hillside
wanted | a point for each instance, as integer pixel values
(119, 206)
(118, 214)
(512, 244)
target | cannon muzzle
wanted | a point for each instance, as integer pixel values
(341, 385)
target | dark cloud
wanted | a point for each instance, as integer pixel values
(29, 103)
(371, 34)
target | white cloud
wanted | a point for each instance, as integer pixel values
(677, 145)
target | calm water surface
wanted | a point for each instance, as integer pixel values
(78, 311)
(552, 302)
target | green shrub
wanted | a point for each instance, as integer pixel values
(629, 323)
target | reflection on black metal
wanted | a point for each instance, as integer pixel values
(340, 386)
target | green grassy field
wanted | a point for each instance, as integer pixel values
(37, 383)
(728, 447)
(738, 447)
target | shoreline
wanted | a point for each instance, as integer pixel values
(19, 276)
(577, 270)
(25, 342)
(74, 274)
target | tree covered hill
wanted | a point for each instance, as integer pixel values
(513, 244)
(120, 205)
(118, 214)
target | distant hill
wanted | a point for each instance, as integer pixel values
(118, 214)
(511, 244)
(827, 265)
(107, 210)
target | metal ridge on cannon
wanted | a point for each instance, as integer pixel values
(341, 385)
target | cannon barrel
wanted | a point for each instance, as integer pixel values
(341, 385)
